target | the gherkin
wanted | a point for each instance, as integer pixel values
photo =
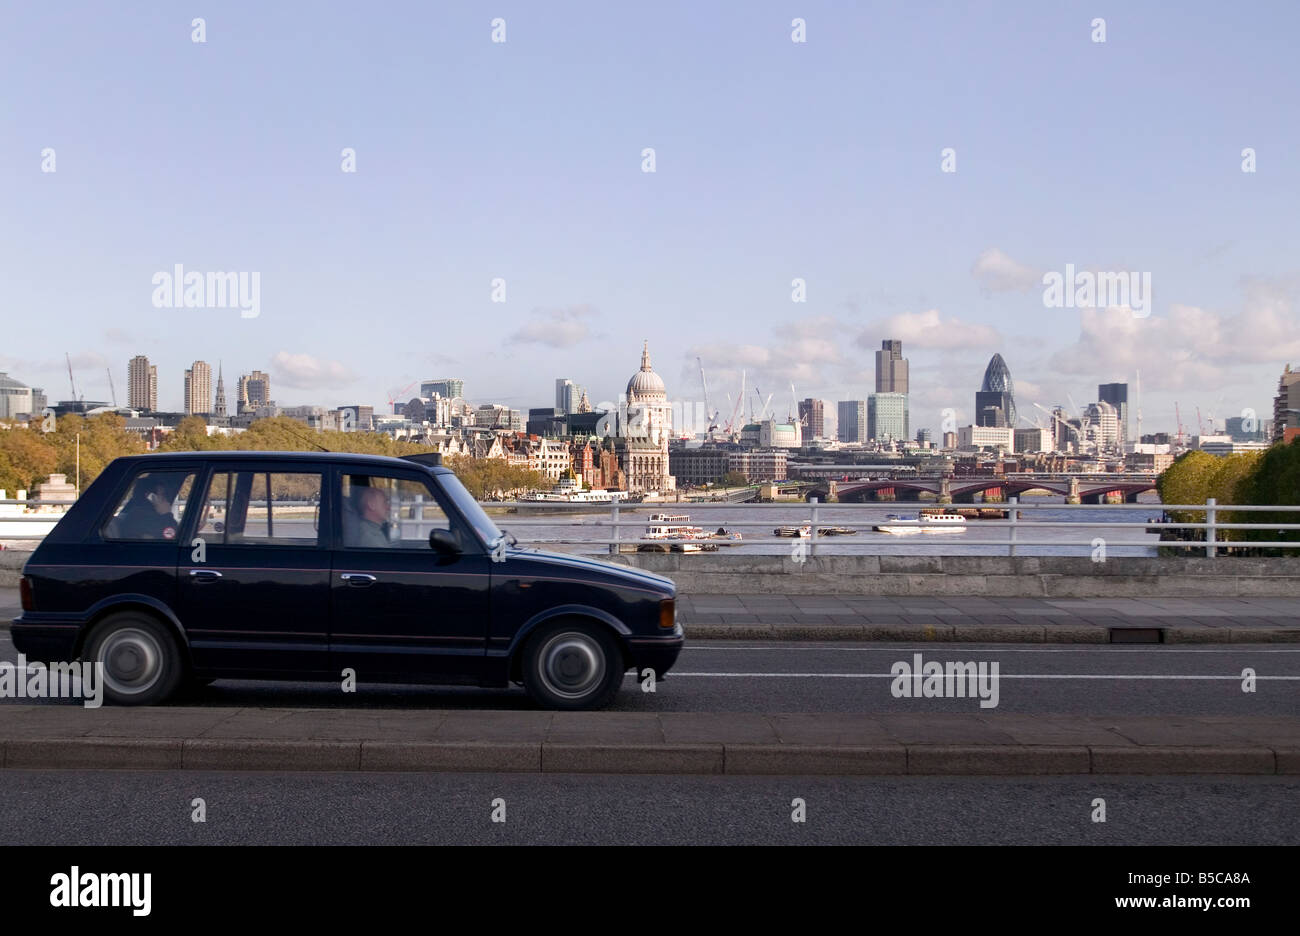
(995, 403)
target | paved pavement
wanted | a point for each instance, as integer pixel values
(810, 743)
(1004, 620)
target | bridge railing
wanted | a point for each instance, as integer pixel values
(1019, 530)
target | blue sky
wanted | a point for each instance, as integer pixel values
(774, 160)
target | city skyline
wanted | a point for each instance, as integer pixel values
(506, 179)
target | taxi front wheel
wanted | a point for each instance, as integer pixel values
(573, 666)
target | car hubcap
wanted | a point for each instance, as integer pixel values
(573, 665)
(132, 661)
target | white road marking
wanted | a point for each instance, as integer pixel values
(1234, 678)
(1081, 648)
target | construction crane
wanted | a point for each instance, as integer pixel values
(1178, 418)
(739, 405)
(111, 388)
(710, 414)
(1139, 407)
(395, 395)
(794, 414)
(1200, 426)
(1055, 418)
(72, 383)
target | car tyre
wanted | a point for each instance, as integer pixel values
(573, 666)
(141, 663)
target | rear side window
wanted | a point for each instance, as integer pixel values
(152, 508)
(261, 508)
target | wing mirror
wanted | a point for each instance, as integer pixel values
(444, 542)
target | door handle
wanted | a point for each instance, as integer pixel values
(205, 575)
(358, 579)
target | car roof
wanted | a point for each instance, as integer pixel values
(377, 461)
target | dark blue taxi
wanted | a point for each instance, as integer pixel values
(178, 569)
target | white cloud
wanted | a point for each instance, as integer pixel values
(930, 330)
(555, 328)
(304, 372)
(996, 272)
(806, 353)
(1189, 347)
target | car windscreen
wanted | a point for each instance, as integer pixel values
(473, 513)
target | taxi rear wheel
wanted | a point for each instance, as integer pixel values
(140, 662)
(573, 666)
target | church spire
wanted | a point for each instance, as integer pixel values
(645, 356)
(221, 392)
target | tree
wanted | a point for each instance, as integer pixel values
(190, 435)
(734, 479)
(493, 477)
(27, 459)
(1187, 481)
(1274, 480)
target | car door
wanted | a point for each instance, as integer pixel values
(135, 549)
(254, 576)
(398, 608)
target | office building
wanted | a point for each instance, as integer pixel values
(254, 391)
(852, 421)
(812, 415)
(15, 398)
(1034, 440)
(995, 402)
(1116, 394)
(568, 396)
(547, 422)
(449, 387)
(891, 368)
(1286, 405)
(970, 438)
(697, 466)
(887, 417)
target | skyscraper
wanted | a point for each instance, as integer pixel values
(254, 391)
(1116, 394)
(567, 395)
(812, 414)
(852, 420)
(142, 384)
(1286, 405)
(891, 367)
(220, 410)
(198, 389)
(447, 387)
(887, 417)
(995, 402)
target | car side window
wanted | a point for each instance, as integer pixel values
(388, 512)
(152, 508)
(262, 508)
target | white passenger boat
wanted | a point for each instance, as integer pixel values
(923, 523)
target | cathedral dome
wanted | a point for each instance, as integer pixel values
(646, 385)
